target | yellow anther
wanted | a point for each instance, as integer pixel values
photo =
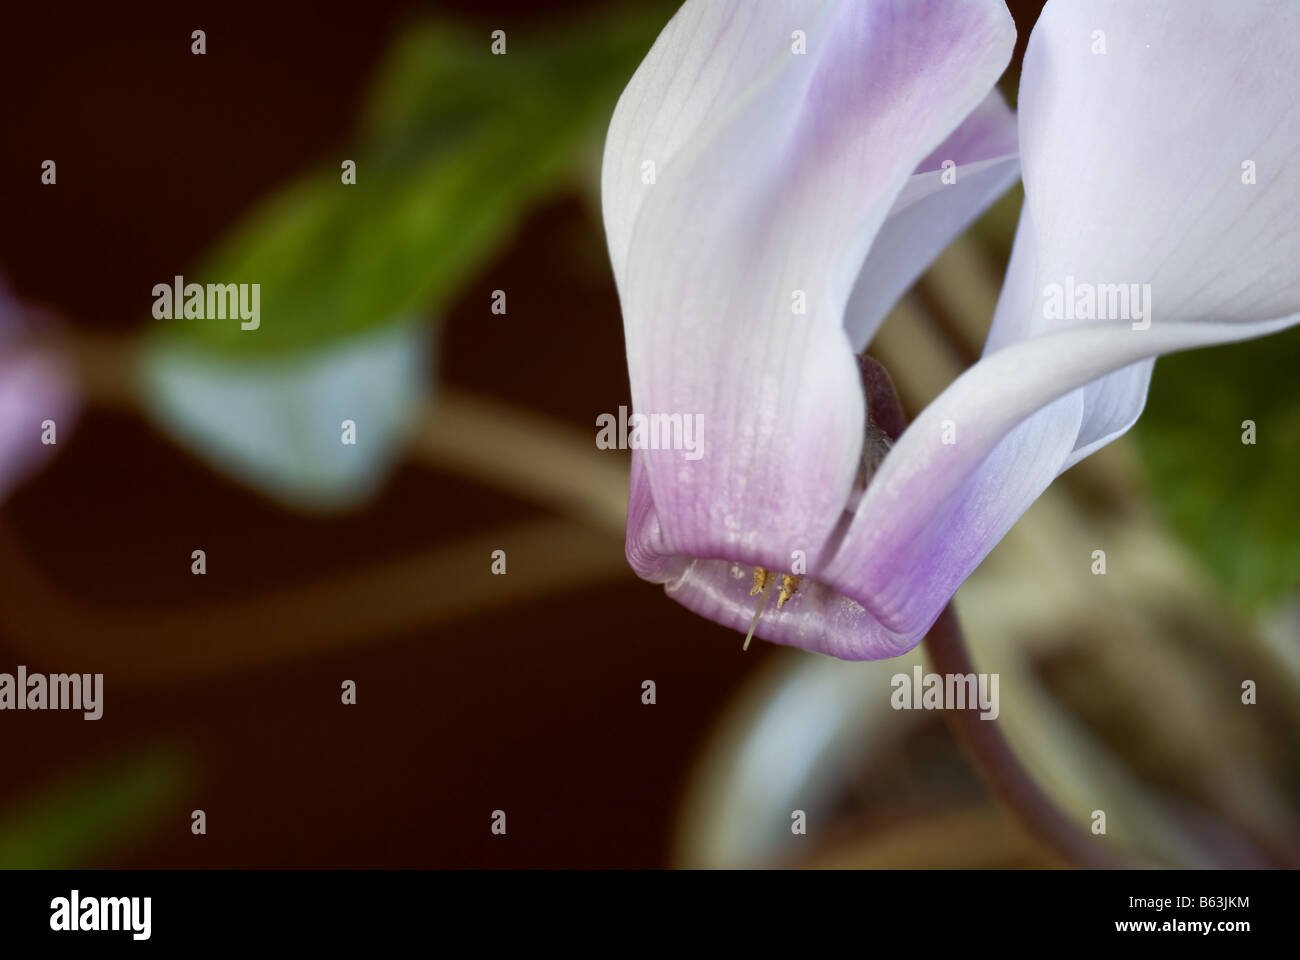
(764, 581)
(789, 584)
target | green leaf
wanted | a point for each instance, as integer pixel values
(457, 143)
(276, 423)
(75, 821)
(1234, 503)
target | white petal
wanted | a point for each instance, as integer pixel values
(1132, 162)
(774, 172)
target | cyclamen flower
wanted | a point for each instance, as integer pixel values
(779, 175)
(34, 388)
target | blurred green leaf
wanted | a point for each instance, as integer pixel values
(1233, 503)
(71, 824)
(276, 422)
(456, 143)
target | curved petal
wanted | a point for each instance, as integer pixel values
(816, 618)
(1144, 180)
(931, 211)
(1141, 185)
(774, 172)
(1111, 404)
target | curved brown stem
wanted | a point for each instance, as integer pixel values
(547, 558)
(1002, 771)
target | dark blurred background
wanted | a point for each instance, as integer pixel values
(532, 707)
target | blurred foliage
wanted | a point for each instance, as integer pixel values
(456, 142)
(276, 422)
(1233, 503)
(72, 823)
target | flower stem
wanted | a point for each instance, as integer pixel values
(1002, 771)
